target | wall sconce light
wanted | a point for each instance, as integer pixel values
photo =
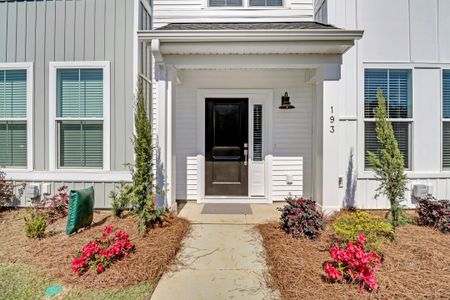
(285, 103)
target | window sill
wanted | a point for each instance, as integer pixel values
(410, 175)
(246, 8)
(69, 175)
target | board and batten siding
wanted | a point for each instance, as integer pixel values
(291, 130)
(185, 11)
(74, 30)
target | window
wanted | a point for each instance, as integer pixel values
(257, 132)
(266, 2)
(221, 3)
(15, 116)
(80, 109)
(397, 89)
(446, 119)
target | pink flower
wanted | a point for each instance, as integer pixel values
(362, 239)
(108, 229)
(100, 268)
(332, 272)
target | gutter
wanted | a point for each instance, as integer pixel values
(174, 36)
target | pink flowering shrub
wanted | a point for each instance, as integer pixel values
(59, 203)
(100, 253)
(352, 264)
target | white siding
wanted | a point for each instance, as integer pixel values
(410, 34)
(292, 130)
(179, 11)
(281, 168)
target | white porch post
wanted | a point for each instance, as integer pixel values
(165, 142)
(329, 119)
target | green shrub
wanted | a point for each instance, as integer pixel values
(121, 198)
(347, 228)
(35, 223)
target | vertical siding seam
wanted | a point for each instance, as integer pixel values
(104, 31)
(7, 31)
(84, 31)
(125, 84)
(95, 27)
(26, 33)
(74, 29)
(45, 86)
(113, 106)
(64, 35)
(54, 36)
(15, 47)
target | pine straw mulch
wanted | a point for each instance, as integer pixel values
(415, 266)
(153, 255)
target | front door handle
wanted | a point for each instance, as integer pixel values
(245, 157)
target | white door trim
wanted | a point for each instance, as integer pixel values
(251, 94)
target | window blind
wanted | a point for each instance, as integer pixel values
(266, 2)
(446, 145)
(81, 144)
(225, 3)
(13, 93)
(257, 132)
(446, 93)
(13, 144)
(396, 87)
(79, 93)
(402, 135)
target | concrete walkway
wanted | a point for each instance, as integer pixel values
(218, 261)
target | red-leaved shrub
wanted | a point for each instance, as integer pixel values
(59, 203)
(435, 213)
(352, 264)
(102, 252)
(301, 218)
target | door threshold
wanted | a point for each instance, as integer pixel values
(234, 199)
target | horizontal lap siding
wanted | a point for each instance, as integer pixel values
(69, 30)
(281, 168)
(179, 11)
(101, 190)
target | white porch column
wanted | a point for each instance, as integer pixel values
(165, 136)
(327, 133)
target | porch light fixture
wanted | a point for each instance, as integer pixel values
(285, 103)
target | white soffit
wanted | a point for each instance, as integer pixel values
(211, 42)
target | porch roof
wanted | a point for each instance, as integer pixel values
(247, 26)
(249, 39)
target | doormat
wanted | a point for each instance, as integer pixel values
(226, 209)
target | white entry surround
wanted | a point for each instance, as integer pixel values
(192, 66)
(287, 134)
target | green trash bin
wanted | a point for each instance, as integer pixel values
(81, 209)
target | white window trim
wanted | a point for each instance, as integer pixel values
(443, 119)
(245, 5)
(367, 173)
(53, 158)
(28, 66)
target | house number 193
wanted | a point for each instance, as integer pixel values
(332, 120)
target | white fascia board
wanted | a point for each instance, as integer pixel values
(250, 35)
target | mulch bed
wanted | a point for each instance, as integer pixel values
(415, 266)
(153, 255)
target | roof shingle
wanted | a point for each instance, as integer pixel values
(248, 26)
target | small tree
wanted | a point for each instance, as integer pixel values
(143, 169)
(388, 164)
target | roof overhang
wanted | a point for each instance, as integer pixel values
(229, 42)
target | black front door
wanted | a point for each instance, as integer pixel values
(226, 140)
